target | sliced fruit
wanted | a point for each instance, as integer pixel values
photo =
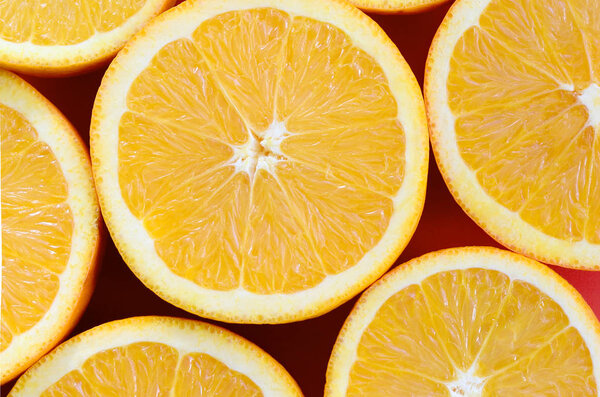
(156, 356)
(50, 226)
(513, 98)
(396, 6)
(473, 321)
(62, 37)
(260, 160)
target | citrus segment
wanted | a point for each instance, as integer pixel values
(178, 91)
(201, 374)
(156, 356)
(401, 339)
(67, 36)
(471, 321)
(262, 150)
(246, 69)
(321, 152)
(563, 365)
(356, 218)
(464, 323)
(27, 293)
(36, 221)
(50, 232)
(512, 103)
(527, 319)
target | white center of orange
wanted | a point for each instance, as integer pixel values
(467, 385)
(590, 97)
(262, 150)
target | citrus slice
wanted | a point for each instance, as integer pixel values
(62, 37)
(156, 356)
(473, 321)
(513, 99)
(260, 160)
(396, 6)
(50, 226)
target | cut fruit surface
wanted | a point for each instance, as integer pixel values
(396, 6)
(513, 97)
(156, 356)
(473, 321)
(50, 231)
(260, 161)
(62, 37)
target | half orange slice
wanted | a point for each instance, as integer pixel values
(62, 37)
(513, 98)
(468, 322)
(50, 226)
(156, 356)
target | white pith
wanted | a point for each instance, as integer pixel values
(466, 385)
(590, 97)
(261, 151)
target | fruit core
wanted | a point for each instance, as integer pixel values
(590, 97)
(467, 385)
(261, 150)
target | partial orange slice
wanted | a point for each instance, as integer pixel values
(396, 6)
(62, 37)
(50, 230)
(513, 97)
(156, 356)
(468, 322)
(260, 160)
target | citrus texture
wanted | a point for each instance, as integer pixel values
(260, 160)
(513, 98)
(62, 37)
(468, 322)
(50, 226)
(156, 356)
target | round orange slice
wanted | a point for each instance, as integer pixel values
(468, 322)
(50, 226)
(513, 99)
(260, 160)
(156, 356)
(396, 6)
(62, 37)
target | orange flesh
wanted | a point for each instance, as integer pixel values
(266, 163)
(489, 335)
(37, 225)
(514, 87)
(152, 369)
(62, 22)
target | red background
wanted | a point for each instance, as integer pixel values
(302, 347)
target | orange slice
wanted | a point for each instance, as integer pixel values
(50, 231)
(513, 98)
(468, 322)
(62, 37)
(260, 160)
(396, 6)
(156, 356)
